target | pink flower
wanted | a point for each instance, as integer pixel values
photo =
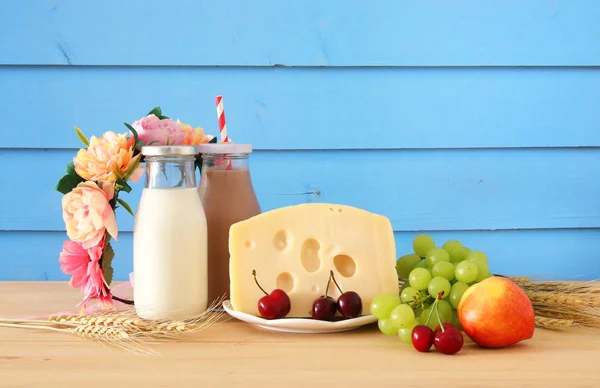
(88, 215)
(84, 266)
(161, 132)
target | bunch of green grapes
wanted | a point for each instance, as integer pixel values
(429, 271)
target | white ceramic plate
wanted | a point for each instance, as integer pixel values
(300, 325)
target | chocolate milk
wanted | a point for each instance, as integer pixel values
(227, 197)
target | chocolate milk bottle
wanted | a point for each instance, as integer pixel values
(227, 196)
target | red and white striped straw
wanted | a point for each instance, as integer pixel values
(222, 123)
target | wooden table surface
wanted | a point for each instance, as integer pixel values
(233, 353)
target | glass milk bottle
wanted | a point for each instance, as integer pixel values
(228, 196)
(169, 237)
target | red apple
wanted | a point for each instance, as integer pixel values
(496, 312)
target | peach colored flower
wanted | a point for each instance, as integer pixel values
(193, 136)
(107, 158)
(88, 215)
(84, 266)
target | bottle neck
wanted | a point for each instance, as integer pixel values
(225, 162)
(166, 172)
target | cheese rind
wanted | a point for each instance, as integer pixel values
(295, 248)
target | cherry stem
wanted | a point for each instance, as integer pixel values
(256, 281)
(437, 312)
(434, 307)
(431, 312)
(328, 283)
(336, 283)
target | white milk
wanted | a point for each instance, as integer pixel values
(169, 255)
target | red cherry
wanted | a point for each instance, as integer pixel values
(324, 308)
(438, 329)
(449, 341)
(275, 305)
(422, 338)
(349, 304)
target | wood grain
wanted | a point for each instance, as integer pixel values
(316, 108)
(305, 33)
(233, 353)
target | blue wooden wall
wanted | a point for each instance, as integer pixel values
(470, 119)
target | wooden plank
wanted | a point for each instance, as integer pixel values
(417, 190)
(545, 254)
(233, 353)
(311, 108)
(313, 33)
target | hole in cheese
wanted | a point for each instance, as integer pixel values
(285, 281)
(310, 255)
(345, 265)
(280, 240)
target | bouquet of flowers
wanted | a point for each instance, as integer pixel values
(91, 187)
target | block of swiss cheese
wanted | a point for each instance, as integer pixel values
(294, 248)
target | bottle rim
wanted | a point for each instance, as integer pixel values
(172, 150)
(225, 148)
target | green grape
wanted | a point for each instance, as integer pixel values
(437, 285)
(382, 305)
(405, 333)
(466, 271)
(402, 316)
(454, 321)
(483, 271)
(405, 264)
(387, 326)
(444, 269)
(421, 264)
(455, 250)
(418, 312)
(422, 244)
(456, 292)
(445, 310)
(436, 255)
(409, 294)
(464, 251)
(474, 256)
(432, 322)
(419, 278)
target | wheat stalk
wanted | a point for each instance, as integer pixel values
(552, 323)
(122, 328)
(557, 302)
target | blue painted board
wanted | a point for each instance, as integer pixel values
(311, 108)
(301, 33)
(416, 189)
(547, 254)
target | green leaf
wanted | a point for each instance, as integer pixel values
(198, 164)
(126, 206)
(152, 142)
(107, 258)
(82, 137)
(135, 134)
(71, 169)
(140, 144)
(156, 112)
(67, 183)
(124, 185)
